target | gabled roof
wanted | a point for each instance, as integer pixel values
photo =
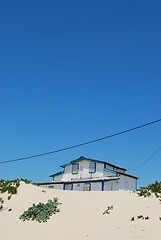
(92, 160)
(56, 174)
(126, 174)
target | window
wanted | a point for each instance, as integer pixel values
(75, 168)
(51, 187)
(92, 167)
(87, 187)
(68, 186)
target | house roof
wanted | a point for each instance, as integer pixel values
(126, 174)
(56, 174)
(89, 159)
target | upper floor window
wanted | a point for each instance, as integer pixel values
(75, 168)
(92, 167)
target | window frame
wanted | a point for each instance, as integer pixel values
(76, 170)
(94, 169)
(85, 185)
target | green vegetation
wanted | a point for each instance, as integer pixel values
(41, 212)
(154, 188)
(10, 186)
(1, 202)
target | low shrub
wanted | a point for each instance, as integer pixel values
(41, 212)
(9, 186)
(1, 202)
(151, 188)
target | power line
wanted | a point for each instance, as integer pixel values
(147, 160)
(81, 144)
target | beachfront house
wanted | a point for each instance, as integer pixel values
(84, 174)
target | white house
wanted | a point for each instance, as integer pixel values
(84, 174)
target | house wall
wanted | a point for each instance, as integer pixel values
(58, 186)
(58, 177)
(127, 183)
(124, 183)
(78, 186)
(53, 186)
(107, 186)
(84, 172)
(111, 186)
(96, 186)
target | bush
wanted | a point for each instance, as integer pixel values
(9, 186)
(1, 202)
(151, 188)
(41, 212)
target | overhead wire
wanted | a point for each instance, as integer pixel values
(81, 144)
(147, 160)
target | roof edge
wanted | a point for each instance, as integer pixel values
(89, 159)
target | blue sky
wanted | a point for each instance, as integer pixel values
(72, 71)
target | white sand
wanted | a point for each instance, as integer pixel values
(81, 216)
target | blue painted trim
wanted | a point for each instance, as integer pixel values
(65, 165)
(109, 170)
(70, 184)
(56, 174)
(103, 185)
(93, 160)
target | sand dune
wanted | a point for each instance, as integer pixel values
(81, 216)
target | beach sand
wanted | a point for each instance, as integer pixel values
(81, 216)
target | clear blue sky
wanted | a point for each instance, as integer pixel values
(72, 71)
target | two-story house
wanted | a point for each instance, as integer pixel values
(84, 174)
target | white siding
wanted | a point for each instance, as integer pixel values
(58, 177)
(111, 185)
(78, 186)
(96, 186)
(53, 186)
(127, 183)
(107, 186)
(58, 186)
(83, 171)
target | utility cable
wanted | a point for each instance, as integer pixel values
(147, 160)
(81, 144)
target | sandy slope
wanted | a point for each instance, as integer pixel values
(81, 216)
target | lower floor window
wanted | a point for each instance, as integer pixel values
(87, 187)
(68, 186)
(51, 186)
